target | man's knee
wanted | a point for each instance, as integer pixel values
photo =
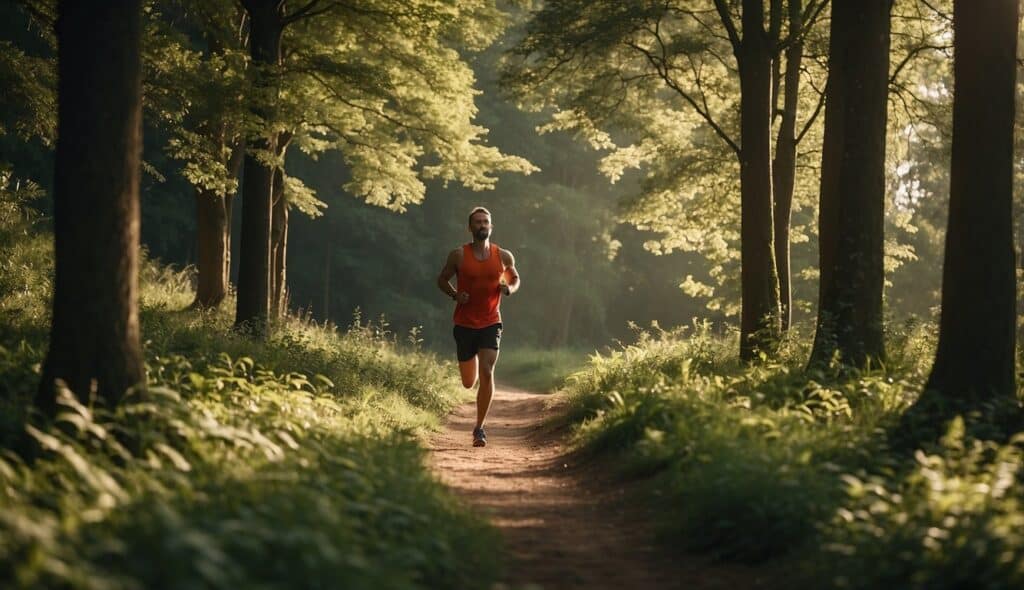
(467, 382)
(487, 372)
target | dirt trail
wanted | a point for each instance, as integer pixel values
(564, 525)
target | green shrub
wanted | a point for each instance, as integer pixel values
(956, 520)
(747, 458)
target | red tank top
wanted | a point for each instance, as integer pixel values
(480, 279)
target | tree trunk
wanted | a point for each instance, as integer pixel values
(279, 244)
(235, 165)
(759, 329)
(213, 247)
(326, 312)
(94, 335)
(974, 364)
(254, 248)
(279, 232)
(213, 240)
(784, 165)
(851, 222)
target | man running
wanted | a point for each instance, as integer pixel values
(485, 273)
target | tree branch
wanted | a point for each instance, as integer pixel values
(911, 55)
(730, 26)
(814, 115)
(663, 73)
(307, 12)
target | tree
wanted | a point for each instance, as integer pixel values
(279, 233)
(386, 86)
(657, 74)
(760, 316)
(852, 207)
(784, 161)
(196, 95)
(267, 20)
(94, 336)
(975, 361)
(558, 222)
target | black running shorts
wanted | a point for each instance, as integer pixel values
(468, 341)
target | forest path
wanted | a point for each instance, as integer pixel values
(564, 524)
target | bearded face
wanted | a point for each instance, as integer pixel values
(480, 226)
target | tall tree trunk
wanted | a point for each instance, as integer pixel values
(759, 329)
(851, 223)
(279, 232)
(326, 311)
(213, 247)
(974, 364)
(784, 165)
(254, 248)
(94, 335)
(279, 244)
(213, 239)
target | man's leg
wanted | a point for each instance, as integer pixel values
(488, 358)
(466, 347)
(468, 371)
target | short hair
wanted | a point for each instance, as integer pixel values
(478, 210)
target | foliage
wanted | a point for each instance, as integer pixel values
(576, 265)
(655, 85)
(954, 521)
(245, 464)
(29, 105)
(803, 460)
(386, 86)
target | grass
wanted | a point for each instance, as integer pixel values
(294, 462)
(539, 370)
(769, 462)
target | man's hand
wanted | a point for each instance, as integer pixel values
(503, 287)
(462, 298)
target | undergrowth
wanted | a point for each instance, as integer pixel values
(770, 461)
(294, 462)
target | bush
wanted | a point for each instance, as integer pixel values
(766, 460)
(956, 520)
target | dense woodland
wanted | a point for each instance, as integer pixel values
(788, 228)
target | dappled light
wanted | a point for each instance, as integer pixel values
(565, 294)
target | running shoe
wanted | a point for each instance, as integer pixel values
(479, 437)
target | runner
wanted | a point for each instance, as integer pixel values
(485, 273)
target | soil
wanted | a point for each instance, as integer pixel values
(565, 522)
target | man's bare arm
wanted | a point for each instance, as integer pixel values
(451, 267)
(510, 270)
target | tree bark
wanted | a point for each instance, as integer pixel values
(279, 232)
(974, 363)
(213, 239)
(851, 222)
(94, 334)
(759, 329)
(784, 164)
(213, 247)
(279, 245)
(254, 266)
